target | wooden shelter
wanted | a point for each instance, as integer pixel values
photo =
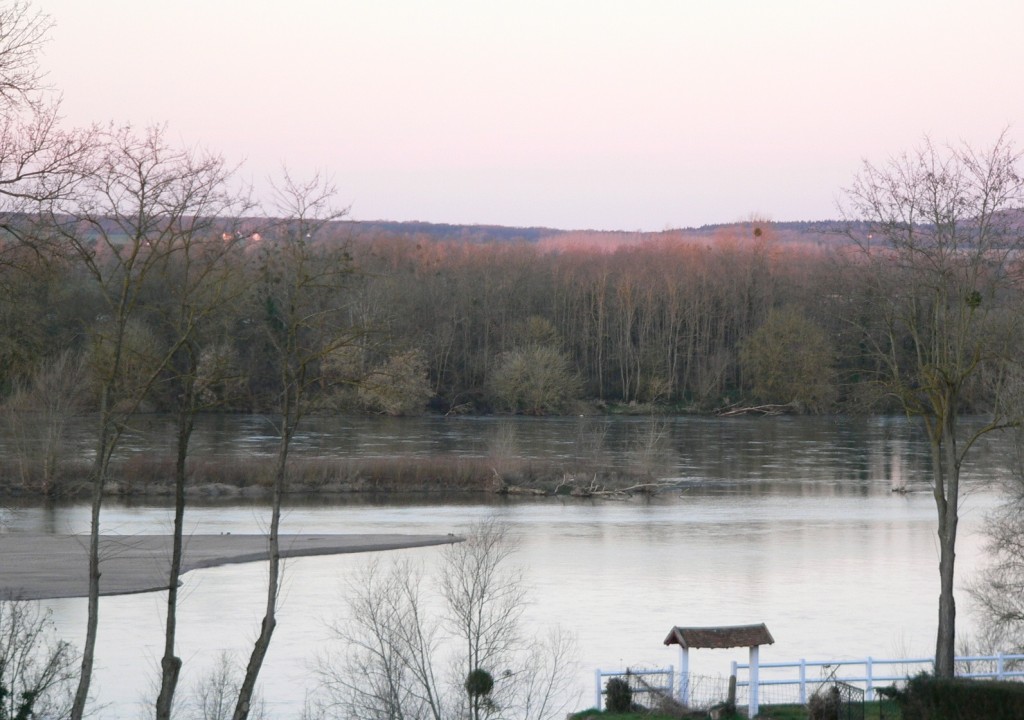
(721, 637)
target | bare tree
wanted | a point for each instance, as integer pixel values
(485, 601)
(195, 282)
(999, 591)
(37, 671)
(213, 696)
(38, 159)
(302, 320)
(471, 657)
(387, 670)
(23, 32)
(135, 209)
(36, 416)
(938, 263)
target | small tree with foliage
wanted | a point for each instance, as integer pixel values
(398, 386)
(618, 696)
(535, 380)
(789, 359)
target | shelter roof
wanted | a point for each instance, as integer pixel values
(728, 636)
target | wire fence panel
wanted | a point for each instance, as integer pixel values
(836, 700)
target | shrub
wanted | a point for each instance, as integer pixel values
(930, 698)
(533, 381)
(824, 704)
(398, 387)
(618, 695)
(790, 359)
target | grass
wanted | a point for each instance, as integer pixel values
(886, 710)
(872, 711)
(604, 715)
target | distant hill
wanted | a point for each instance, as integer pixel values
(825, 233)
(446, 231)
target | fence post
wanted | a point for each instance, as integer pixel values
(869, 689)
(803, 681)
(999, 666)
(597, 689)
(734, 674)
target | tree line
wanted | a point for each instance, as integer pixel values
(445, 325)
(439, 325)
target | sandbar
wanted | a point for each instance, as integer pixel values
(38, 567)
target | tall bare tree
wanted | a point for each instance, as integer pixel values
(194, 283)
(137, 207)
(299, 306)
(938, 260)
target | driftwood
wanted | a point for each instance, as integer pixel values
(583, 488)
(593, 488)
(769, 409)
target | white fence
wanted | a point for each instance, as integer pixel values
(870, 673)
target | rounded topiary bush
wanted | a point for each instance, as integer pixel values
(618, 695)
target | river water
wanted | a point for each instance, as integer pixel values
(786, 521)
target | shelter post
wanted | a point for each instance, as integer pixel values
(754, 680)
(684, 675)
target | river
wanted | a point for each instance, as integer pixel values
(786, 521)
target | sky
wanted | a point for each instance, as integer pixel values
(571, 114)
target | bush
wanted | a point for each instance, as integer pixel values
(533, 381)
(825, 704)
(398, 387)
(618, 695)
(931, 698)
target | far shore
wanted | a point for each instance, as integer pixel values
(38, 566)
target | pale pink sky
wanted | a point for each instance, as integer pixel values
(605, 114)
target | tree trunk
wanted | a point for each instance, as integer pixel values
(945, 642)
(170, 664)
(262, 644)
(99, 474)
(946, 473)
